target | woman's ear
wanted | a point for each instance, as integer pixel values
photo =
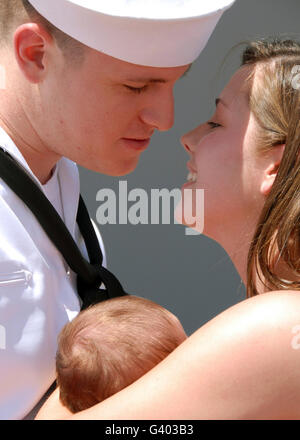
(271, 169)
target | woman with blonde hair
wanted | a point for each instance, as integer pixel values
(244, 363)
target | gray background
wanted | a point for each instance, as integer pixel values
(190, 275)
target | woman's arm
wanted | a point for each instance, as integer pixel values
(53, 409)
(240, 365)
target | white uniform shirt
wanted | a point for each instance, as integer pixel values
(37, 289)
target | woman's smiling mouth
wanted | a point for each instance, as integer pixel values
(192, 177)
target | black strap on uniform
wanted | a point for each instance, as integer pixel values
(90, 275)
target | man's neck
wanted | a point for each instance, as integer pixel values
(40, 161)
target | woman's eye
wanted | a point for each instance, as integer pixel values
(136, 89)
(213, 124)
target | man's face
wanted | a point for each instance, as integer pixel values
(102, 114)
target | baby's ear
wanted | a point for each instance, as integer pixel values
(271, 169)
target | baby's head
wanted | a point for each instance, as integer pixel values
(110, 345)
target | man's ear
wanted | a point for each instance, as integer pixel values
(30, 42)
(271, 169)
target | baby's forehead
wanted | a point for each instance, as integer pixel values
(175, 321)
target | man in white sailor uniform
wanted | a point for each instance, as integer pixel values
(83, 82)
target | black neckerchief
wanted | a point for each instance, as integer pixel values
(90, 274)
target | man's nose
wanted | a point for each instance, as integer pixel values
(159, 114)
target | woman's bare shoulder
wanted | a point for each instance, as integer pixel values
(272, 316)
(253, 350)
(259, 340)
(280, 305)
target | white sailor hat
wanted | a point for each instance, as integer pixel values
(158, 33)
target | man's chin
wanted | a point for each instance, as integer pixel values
(116, 170)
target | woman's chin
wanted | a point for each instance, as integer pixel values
(186, 218)
(190, 209)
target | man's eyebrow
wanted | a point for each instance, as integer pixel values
(153, 80)
(146, 80)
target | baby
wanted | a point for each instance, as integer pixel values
(110, 345)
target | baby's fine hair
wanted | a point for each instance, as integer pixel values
(110, 345)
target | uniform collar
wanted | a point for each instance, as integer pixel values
(68, 176)
(8, 144)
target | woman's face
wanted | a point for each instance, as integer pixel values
(223, 161)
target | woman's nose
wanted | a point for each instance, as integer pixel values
(191, 139)
(185, 144)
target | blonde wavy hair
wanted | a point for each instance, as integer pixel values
(275, 103)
